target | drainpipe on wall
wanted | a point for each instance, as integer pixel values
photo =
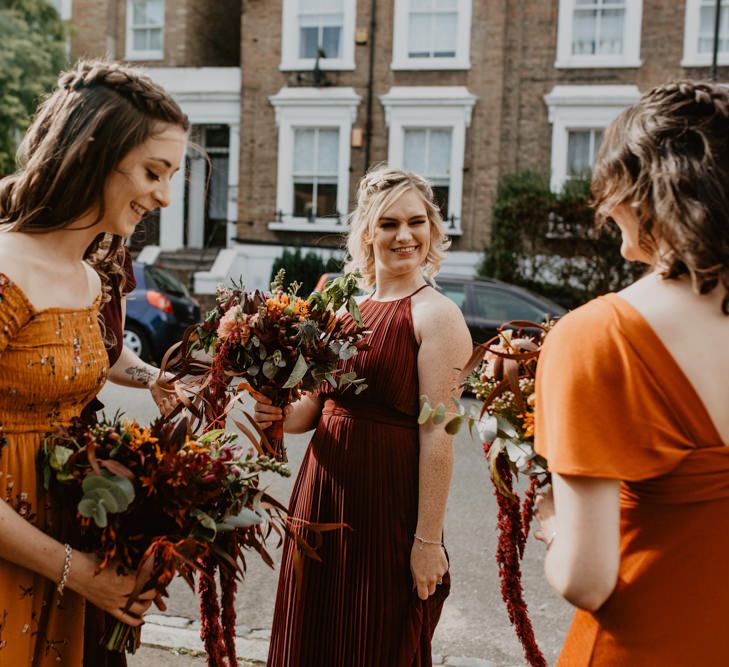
(370, 84)
(715, 53)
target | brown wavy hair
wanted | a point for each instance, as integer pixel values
(98, 112)
(668, 158)
(380, 187)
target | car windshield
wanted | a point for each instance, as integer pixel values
(164, 282)
(502, 306)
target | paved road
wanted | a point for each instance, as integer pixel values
(474, 621)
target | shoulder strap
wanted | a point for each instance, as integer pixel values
(418, 290)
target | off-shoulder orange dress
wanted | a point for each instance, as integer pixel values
(52, 362)
(613, 403)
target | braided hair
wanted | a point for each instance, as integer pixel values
(668, 157)
(98, 112)
(379, 188)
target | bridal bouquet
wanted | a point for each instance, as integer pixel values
(501, 375)
(159, 502)
(279, 344)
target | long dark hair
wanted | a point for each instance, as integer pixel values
(668, 157)
(98, 112)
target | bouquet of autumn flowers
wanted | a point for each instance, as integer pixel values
(279, 344)
(501, 374)
(159, 502)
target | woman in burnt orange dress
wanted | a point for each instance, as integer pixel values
(632, 399)
(100, 152)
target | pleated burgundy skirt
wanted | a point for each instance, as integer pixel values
(357, 607)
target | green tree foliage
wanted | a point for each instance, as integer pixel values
(550, 243)
(305, 269)
(32, 52)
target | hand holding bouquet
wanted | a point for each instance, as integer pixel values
(279, 344)
(501, 374)
(158, 502)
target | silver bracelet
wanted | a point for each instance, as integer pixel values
(66, 569)
(423, 541)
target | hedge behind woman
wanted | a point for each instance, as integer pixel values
(99, 154)
(376, 596)
(632, 401)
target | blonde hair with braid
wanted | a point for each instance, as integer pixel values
(668, 157)
(381, 187)
(98, 112)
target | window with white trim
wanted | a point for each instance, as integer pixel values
(427, 135)
(318, 31)
(314, 130)
(427, 151)
(316, 172)
(599, 33)
(579, 116)
(582, 147)
(145, 29)
(432, 34)
(698, 45)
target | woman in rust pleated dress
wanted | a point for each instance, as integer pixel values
(376, 596)
(633, 401)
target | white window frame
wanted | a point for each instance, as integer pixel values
(131, 53)
(691, 55)
(432, 107)
(581, 108)
(631, 40)
(302, 108)
(402, 61)
(290, 61)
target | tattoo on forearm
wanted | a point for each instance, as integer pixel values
(140, 374)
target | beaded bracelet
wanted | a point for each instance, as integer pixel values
(423, 541)
(66, 569)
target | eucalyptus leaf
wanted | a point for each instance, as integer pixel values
(424, 413)
(244, 519)
(205, 527)
(353, 310)
(360, 388)
(298, 372)
(454, 425)
(488, 428)
(269, 369)
(518, 454)
(59, 457)
(506, 428)
(211, 436)
(439, 413)
(347, 351)
(91, 508)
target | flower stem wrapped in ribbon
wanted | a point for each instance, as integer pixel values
(277, 343)
(501, 374)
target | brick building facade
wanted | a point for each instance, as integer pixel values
(464, 91)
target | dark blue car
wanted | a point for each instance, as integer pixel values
(158, 312)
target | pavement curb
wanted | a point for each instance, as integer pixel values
(177, 632)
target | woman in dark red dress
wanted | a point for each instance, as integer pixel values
(376, 596)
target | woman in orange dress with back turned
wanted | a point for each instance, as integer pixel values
(633, 401)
